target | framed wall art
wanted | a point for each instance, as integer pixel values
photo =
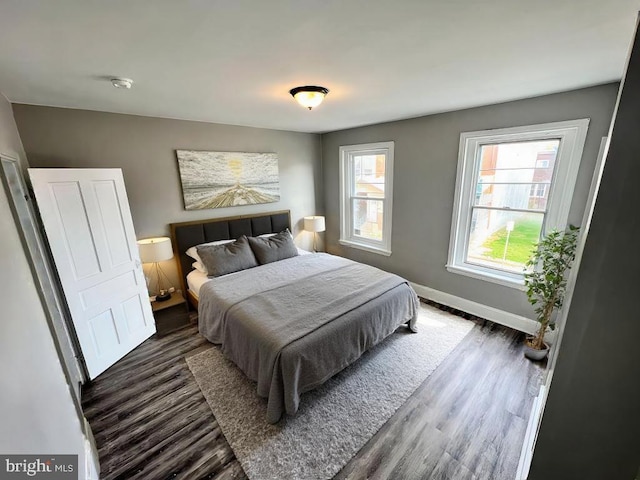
(227, 179)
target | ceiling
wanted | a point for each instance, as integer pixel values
(234, 61)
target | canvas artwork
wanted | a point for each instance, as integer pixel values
(227, 179)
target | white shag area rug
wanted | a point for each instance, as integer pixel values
(335, 420)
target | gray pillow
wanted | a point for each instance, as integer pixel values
(231, 257)
(272, 249)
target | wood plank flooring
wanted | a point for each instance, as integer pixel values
(466, 421)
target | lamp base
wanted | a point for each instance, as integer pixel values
(163, 296)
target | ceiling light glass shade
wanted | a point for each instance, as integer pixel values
(314, 223)
(156, 249)
(309, 96)
(309, 99)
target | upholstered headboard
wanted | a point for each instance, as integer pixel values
(188, 234)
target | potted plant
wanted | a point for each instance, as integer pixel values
(546, 281)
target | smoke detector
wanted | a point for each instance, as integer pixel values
(122, 82)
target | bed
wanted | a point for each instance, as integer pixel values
(290, 324)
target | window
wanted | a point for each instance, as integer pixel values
(366, 192)
(542, 163)
(538, 190)
(513, 185)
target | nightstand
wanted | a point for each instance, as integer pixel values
(171, 314)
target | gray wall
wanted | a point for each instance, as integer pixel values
(144, 148)
(426, 156)
(591, 424)
(37, 413)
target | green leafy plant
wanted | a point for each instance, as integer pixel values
(546, 280)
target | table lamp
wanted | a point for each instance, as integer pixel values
(155, 250)
(315, 224)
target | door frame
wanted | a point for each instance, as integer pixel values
(54, 304)
(537, 412)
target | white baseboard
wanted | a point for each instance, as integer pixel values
(91, 468)
(91, 460)
(511, 320)
(531, 435)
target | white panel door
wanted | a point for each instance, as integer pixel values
(86, 217)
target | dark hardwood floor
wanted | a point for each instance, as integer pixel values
(466, 421)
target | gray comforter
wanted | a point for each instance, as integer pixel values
(291, 325)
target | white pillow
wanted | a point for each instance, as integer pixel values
(193, 252)
(199, 267)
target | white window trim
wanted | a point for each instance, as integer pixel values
(572, 135)
(346, 236)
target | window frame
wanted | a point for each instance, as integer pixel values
(347, 234)
(572, 135)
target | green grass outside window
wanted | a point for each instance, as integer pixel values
(524, 236)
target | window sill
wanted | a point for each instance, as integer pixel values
(504, 280)
(367, 248)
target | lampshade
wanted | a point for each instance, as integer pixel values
(309, 96)
(314, 223)
(156, 249)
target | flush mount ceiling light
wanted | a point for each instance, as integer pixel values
(309, 96)
(122, 82)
